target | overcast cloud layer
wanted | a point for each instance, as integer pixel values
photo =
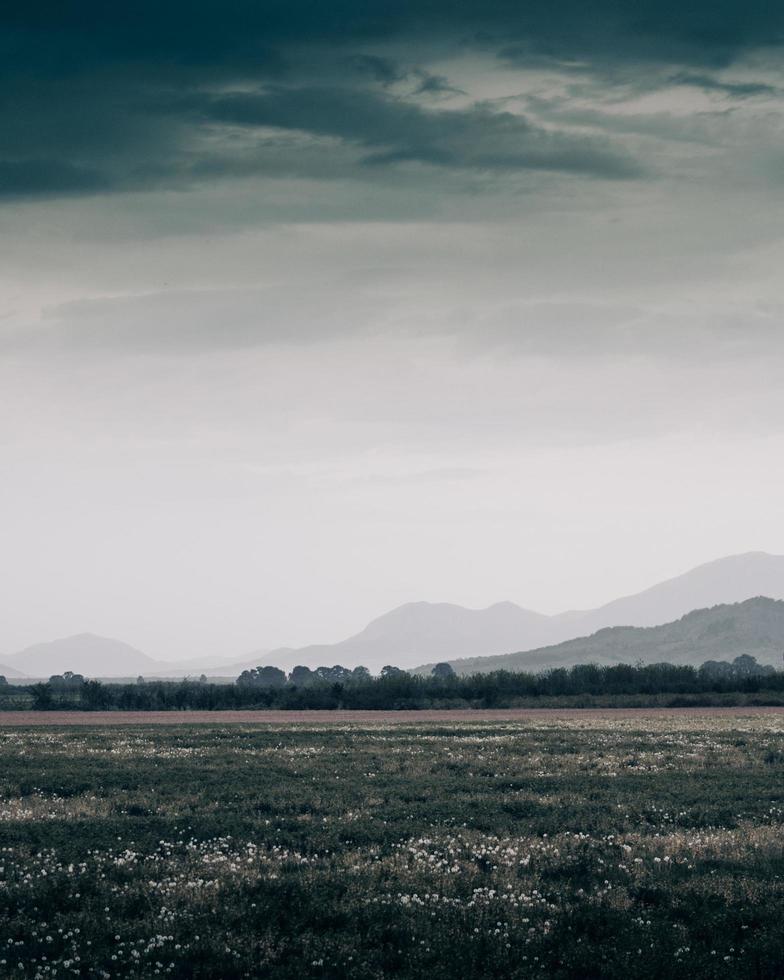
(309, 309)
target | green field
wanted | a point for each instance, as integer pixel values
(566, 848)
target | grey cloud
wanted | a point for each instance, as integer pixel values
(347, 307)
(401, 131)
(735, 90)
(180, 321)
(706, 128)
(435, 84)
(571, 330)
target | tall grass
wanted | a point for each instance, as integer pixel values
(578, 849)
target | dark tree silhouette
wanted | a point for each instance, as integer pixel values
(301, 675)
(262, 677)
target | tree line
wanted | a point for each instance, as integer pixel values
(345, 688)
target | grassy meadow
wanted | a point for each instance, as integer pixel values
(591, 847)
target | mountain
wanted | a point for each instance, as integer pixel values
(220, 665)
(99, 656)
(88, 654)
(726, 580)
(9, 672)
(423, 631)
(723, 632)
(416, 631)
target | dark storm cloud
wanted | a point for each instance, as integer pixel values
(62, 35)
(98, 97)
(387, 72)
(28, 178)
(435, 85)
(382, 70)
(172, 138)
(396, 131)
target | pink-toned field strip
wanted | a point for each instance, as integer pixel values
(24, 719)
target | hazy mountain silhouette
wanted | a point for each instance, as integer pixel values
(723, 632)
(9, 672)
(418, 630)
(422, 632)
(86, 653)
(725, 580)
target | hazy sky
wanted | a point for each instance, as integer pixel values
(310, 309)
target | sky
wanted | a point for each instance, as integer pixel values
(311, 309)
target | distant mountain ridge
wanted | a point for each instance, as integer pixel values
(723, 632)
(452, 632)
(95, 656)
(85, 653)
(422, 632)
(407, 635)
(724, 581)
